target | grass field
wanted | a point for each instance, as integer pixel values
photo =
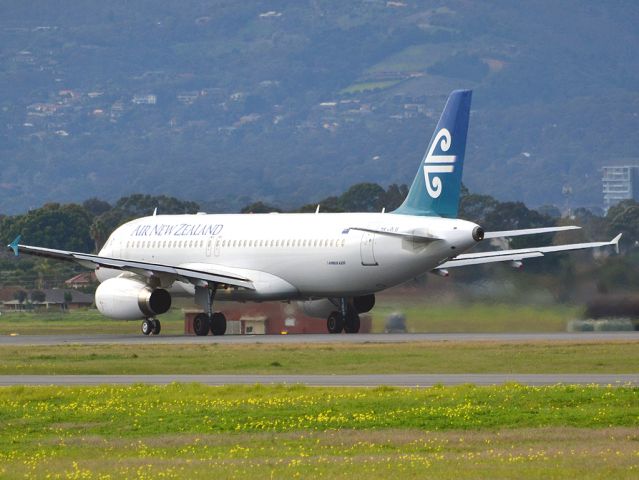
(417, 357)
(194, 431)
(421, 316)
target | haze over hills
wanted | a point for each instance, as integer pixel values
(288, 102)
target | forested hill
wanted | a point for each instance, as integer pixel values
(227, 102)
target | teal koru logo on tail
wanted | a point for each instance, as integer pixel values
(435, 164)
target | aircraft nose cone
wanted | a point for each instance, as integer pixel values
(478, 234)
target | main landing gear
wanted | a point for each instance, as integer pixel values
(347, 319)
(151, 326)
(215, 323)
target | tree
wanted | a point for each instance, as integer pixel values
(476, 208)
(394, 196)
(68, 298)
(65, 227)
(139, 205)
(20, 296)
(624, 218)
(38, 296)
(96, 207)
(260, 207)
(363, 197)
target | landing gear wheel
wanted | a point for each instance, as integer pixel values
(335, 323)
(157, 327)
(147, 326)
(218, 323)
(351, 325)
(201, 324)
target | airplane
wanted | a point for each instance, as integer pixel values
(333, 264)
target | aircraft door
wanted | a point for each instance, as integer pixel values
(367, 249)
(209, 246)
(218, 244)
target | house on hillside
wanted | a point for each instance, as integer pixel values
(82, 280)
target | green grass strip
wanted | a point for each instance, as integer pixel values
(416, 357)
(196, 431)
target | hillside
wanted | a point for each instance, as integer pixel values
(288, 102)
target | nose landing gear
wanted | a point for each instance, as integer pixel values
(151, 326)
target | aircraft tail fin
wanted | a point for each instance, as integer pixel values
(436, 188)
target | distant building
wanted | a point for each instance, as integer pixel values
(145, 99)
(82, 280)
(187, 98)
(620, 182)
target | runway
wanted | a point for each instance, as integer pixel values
(404, 380)
(103, 339)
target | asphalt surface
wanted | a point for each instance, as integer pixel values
(404, 380)
(102, 339)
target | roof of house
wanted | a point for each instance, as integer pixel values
(56, 295)
(81, 278)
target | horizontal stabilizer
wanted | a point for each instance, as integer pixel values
(520, 254)
(506, 257)
(529, 231)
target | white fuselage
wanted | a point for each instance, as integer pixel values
(293, 256)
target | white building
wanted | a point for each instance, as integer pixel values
(145, 99)
(620, 182)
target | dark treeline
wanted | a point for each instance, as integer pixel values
(85, 227)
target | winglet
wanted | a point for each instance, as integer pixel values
(615, 242)
(14, 245)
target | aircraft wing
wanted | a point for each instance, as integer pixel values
(520, 254)
(146, 269)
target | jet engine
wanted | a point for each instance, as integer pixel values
(364, 304)
(322, 308)
(129, 299)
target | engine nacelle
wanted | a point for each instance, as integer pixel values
(129, 299)
(364, 304)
